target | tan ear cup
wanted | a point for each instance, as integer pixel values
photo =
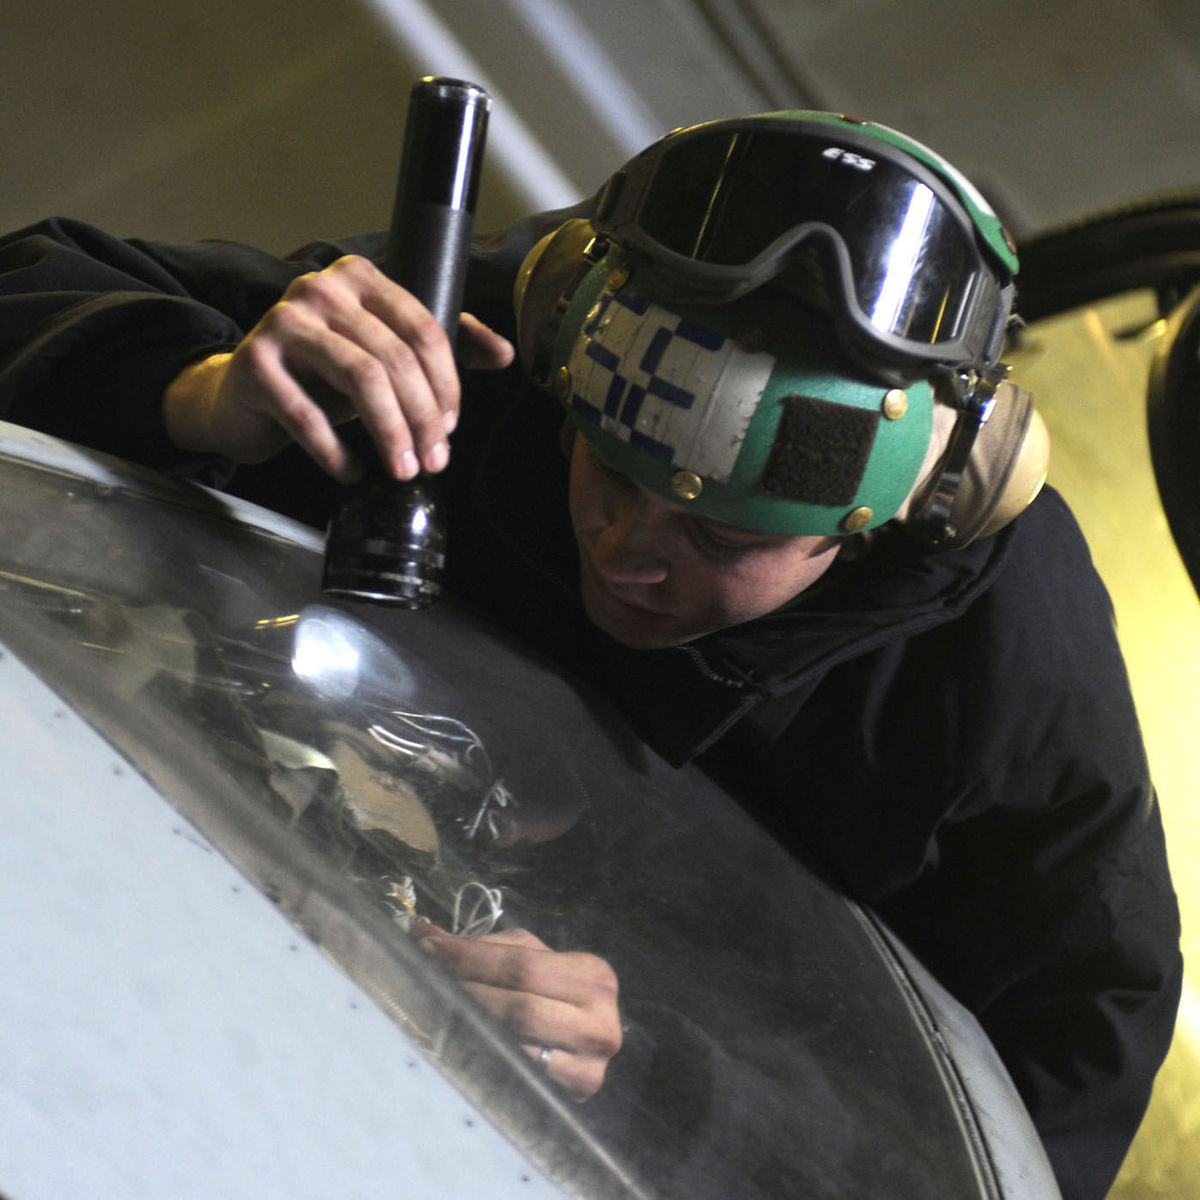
(1009, 465)
(1004, 473)
(550, 270)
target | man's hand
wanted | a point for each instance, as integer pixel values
(341, 343)
(564, 1002)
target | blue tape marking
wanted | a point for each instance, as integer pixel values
(670, 392)
(623, 399)
(603, 355)
(631, 409)
(648, 445)
(613, 397)
(709, 339)
(654, 352)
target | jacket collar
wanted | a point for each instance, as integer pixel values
(898, 590)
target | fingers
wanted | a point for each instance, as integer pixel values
(341, 343)
(564, 1002)
(581, 1076)
(481, 348)
(265, 384)
(374, 344)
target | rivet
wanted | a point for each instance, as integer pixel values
(562, 383)
(617, 280)
(895, 404)
(857, 519)
(687, 485)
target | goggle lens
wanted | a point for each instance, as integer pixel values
(752, 201)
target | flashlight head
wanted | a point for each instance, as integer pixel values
(386, 543)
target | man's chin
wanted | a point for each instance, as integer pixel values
(630, 625)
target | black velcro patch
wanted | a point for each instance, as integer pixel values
(820, 452)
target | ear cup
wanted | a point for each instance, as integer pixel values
(545, 282)
(1001, 477)
(1008, 471)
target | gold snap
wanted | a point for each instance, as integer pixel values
(857, 519)
(895, 404)
(617, 280)
(686, 485)
(562, 383)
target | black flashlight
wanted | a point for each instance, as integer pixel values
(386, 542)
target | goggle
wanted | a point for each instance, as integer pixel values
(848, 222)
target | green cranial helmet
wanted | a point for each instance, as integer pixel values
(749, 322)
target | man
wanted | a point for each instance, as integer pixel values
(777, 341)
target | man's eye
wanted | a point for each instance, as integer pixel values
(717, 547)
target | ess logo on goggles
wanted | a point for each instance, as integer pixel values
(850, 159)
(875, 229)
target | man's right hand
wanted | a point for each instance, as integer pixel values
(341, 343)
(561, 1005)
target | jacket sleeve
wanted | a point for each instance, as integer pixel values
(93, 328)
(980, 782)
(1044, 898)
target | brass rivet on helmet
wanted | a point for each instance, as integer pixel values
(857, 519)
(687, 485)
(562, 383)
(895, 404)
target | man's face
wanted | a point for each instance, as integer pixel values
(654, 575)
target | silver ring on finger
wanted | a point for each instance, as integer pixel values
(545, 1054)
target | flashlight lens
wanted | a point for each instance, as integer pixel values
(386, 543)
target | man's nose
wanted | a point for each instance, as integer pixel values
(633, 546)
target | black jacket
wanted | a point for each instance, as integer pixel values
(950, 735)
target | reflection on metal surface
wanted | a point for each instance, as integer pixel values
(365, 769)
(325, 657)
